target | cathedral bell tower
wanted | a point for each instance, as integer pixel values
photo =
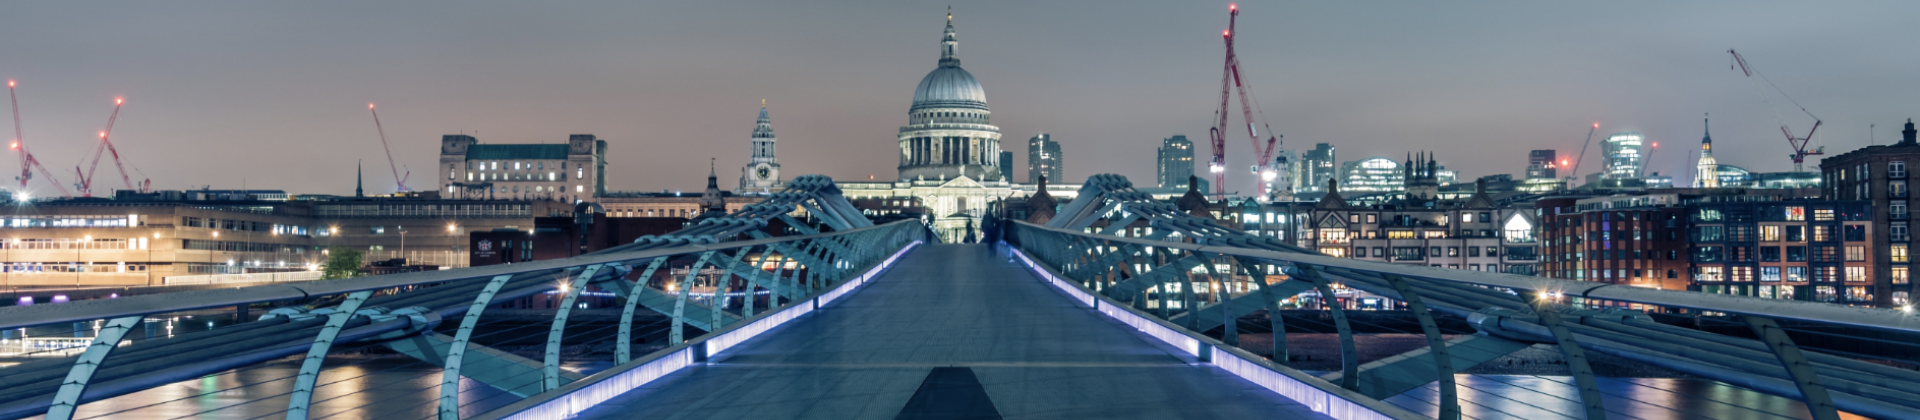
(762, 173)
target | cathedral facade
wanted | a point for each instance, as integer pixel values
(949, 149)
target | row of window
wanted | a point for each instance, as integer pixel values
(1774, 213)
(237, 246)
(1737, 233)
(71, 267)
(515, 166)
(1821, 253)
(1791, 274)
(1815, 293)
(74, 244)
(71, 221)
(1419, 253)
(1407, 220)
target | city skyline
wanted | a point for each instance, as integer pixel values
(269, 92)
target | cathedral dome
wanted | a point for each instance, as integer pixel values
(949, 87)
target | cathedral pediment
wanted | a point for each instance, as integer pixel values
(961, 182)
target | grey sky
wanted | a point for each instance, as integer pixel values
(276, 93)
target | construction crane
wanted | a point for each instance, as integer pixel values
(397, 178)
(1230, 73)
(27, 162)
(106, 147)
(1574, 172)
(1799, 144)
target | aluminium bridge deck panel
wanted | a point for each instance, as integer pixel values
(1530, 397)
(1036, 354)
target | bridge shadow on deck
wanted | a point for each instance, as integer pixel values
(1035, 353)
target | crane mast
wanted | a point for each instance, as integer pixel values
(399, 180)
(27, 162)
(1231, 81)
(86, 178)
(1798, 143)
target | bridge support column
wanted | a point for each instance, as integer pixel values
(550, 369)
(623, 348)
(1443, 364)
(303, 383)
(676, 335)
(1230, 333)
(1576, 359)
(1819, 404)
(1188, 303)
(450, 373)
(1349, 356)
(1274, 321)
(67, 399)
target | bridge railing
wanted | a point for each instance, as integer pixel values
(1202, 277)
(700, 281)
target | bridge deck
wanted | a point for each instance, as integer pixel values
(1028, 352)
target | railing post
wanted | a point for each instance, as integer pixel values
(1437, 347)
(1819, 404)
(303, 383)
(67, 399)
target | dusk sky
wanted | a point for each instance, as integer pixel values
(274, 95)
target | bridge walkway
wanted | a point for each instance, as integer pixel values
(952, 332)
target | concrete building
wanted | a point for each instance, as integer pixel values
(1174, 163)
(144, 240)
(568, 172)
(1878, 175)
(1044, 159)
(762, 173)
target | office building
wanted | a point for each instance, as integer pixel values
(1175, 162)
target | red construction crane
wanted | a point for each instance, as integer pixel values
(106, 147)
(27, 162)
(1799, 144)
(397, 178)
(1230, 73)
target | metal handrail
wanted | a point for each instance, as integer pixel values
(27, 316)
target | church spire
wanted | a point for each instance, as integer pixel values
(949, 48)
(358, 181)
(1706, 138)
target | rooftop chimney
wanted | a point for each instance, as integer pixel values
(1906, 136)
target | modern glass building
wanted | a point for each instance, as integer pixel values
(1624, 154)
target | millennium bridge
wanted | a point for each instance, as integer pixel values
(837, 317)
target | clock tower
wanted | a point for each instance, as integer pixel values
(762, 174)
